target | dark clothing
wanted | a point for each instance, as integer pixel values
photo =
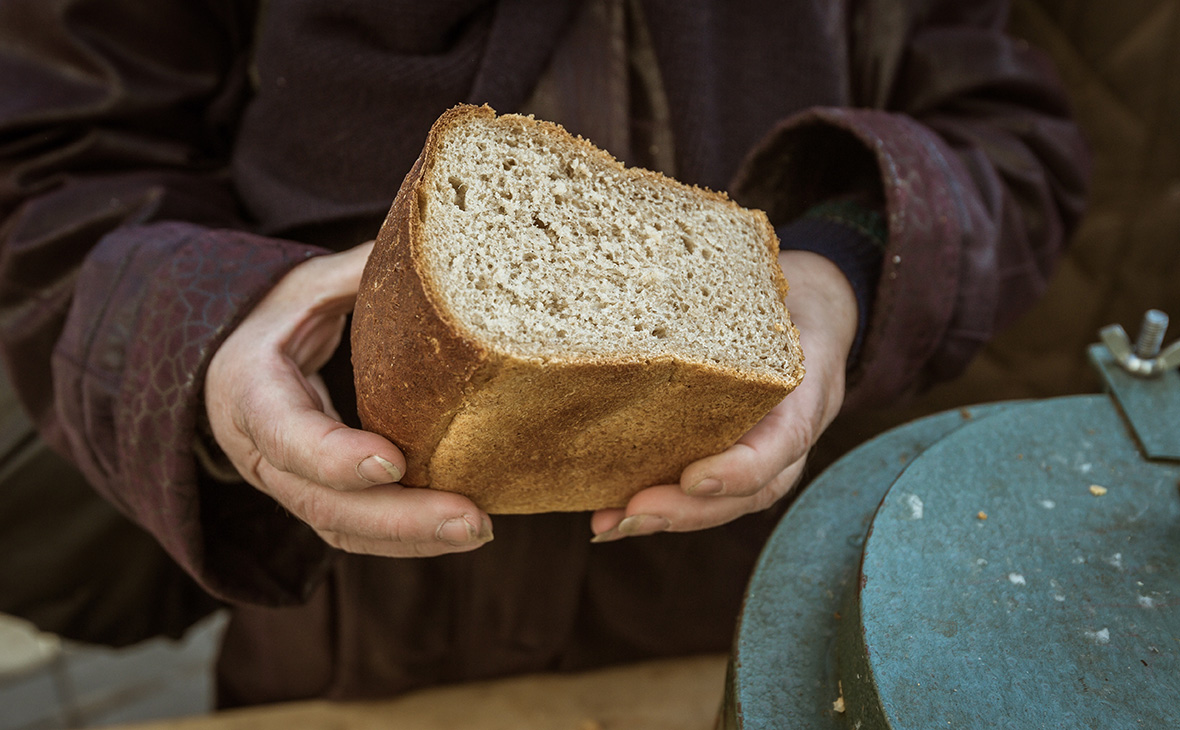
(70, 562)
(163, 164)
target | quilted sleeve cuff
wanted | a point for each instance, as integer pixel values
(852, 237)
(934, 218)
(152, 304)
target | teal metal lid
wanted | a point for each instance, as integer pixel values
(782, 670)
(1021, 571)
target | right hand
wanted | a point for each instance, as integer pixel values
(271, 414)
(766, 463)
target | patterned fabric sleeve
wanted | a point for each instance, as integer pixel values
(152, 304)
(124, 263)
(964, 137)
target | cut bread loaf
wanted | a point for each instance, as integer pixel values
(542, 329)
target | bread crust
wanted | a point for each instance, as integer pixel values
(529, 434)
(411, 363)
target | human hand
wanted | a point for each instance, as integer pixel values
(271, 414)
(765, 463)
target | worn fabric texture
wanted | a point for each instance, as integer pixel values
(1120, 65)
(163, 164)
(69, 561)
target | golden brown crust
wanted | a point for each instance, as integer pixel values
(519, 434)
(411, 365)
(583, 435)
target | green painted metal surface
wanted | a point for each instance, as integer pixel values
(1021, 570)
(1057, 610)
(1150, 404)
(783, 668)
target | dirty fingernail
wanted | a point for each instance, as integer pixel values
(378, 471)
(485, 530)
(609, 536)
(634, 526)
(707, 488)
(643, 525)
(457, 531)
(464, 530)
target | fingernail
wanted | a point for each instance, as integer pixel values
(378, 471)
(707, 487)
(463, 530)
(634, 526)
(485, 530)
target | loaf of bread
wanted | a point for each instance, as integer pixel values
(542, 329)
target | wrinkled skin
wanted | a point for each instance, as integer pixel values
(273, 417)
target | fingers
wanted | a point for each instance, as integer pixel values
(773, 444)
(605, 519)
(265, 401)
(387, 520)
(668, 509)
(331, 278)
(339, 480)
(282, 415)
(766, 463)
(320, 388)
(751, 475)
(272, 415)
(304, 315)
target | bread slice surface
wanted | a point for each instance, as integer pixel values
(541, 328)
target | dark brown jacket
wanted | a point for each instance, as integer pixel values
(163, 164)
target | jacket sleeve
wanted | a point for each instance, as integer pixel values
(965, 137)
(125, 261)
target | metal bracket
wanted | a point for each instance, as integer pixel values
(1144, 383)
(1145, 358)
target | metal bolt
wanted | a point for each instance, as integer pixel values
(1151, 334)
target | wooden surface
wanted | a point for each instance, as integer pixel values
(680, 694)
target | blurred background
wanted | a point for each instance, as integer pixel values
(47, 682)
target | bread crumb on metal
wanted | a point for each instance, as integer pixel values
(1097, 490)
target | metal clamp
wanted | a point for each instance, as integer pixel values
(1144, 358)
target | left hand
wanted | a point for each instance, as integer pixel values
(766, 463)
(272, 415)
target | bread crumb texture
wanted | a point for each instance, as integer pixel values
(545, 248)
(540, 328)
